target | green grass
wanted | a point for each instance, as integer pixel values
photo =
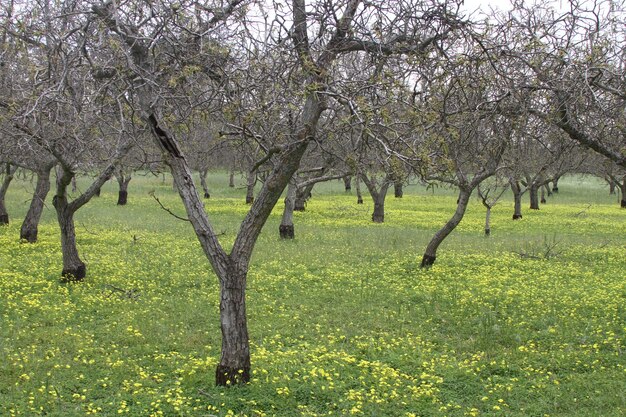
(342, 320)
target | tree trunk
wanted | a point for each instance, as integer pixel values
(250, 187)
(234, 365)
(612, 185)
(302, 195)
(123, 181)
(203, 183)
(397, 189)
(430, 255)
(30, 225)
(231, 178)
(8, 177)
(546, 186)
(74, 185)
(347, 183)
(378, 196)
(286, 228)
(543, 195)
(378, 216)
(357, 185)
(622, 187)
(488, 222)
(555, 184)
(73, 267)
(534, 196)
(517, 199)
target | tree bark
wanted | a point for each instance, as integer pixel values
(517, 199)
(397, 189)
(347, 183)
(430, 255)
(8, 177)
(534, 196)
(30, 226)
(622, 187)
(74, 268)
(286, 228)
(234, 365)
(203, 183)
(543, 195)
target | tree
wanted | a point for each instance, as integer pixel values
(9, 172)
(145, 44)
(53, 110)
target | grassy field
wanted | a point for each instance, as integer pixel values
(343, 322)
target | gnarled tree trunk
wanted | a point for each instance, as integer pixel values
(302, 196)
(234, 365)
(74, 268)
(30, 225)
(430, 255)
(8, 177)
(378, 196)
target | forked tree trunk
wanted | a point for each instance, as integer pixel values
(555, 184)
(534, 196)
(74, 268)
(203, 183)
(378, 197)
(347, 183)
(397, 189)
(251, 182)
(123, 181)
(286, 228)
(302, 195)
(359, 195)
(30, 225)
(8, 177)
(517, 199)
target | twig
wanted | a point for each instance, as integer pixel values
(132, 294)
(166, 209)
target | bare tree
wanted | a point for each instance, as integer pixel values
(145, 43)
